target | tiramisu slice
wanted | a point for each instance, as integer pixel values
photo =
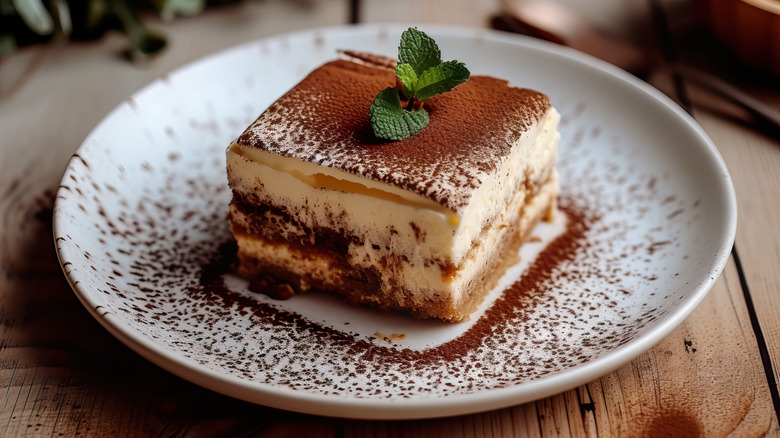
(426, 224)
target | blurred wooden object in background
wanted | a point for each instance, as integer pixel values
(750, 28)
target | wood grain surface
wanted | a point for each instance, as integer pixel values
(62, 374)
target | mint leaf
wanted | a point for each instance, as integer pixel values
(441, 78)
(423, 76)
(408, 77)
(391, 121)
(418, 50)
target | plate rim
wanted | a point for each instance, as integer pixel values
(422, 407)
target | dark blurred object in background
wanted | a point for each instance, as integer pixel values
(648, 37)
(613, 30)
(749, 28)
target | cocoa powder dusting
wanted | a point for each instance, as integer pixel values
(510, 306)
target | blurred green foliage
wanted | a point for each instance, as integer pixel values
(32, 21)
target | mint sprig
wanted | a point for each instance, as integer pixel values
(423, 76)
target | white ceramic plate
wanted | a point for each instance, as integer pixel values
(141, 211)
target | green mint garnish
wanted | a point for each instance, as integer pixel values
(423, 76)
(391, 121)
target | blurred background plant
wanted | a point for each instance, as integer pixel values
(25, 22)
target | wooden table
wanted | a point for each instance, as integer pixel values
(62, 374)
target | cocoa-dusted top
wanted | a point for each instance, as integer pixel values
(324, 120)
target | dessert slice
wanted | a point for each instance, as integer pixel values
(426, 224)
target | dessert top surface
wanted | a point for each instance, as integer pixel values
(324, 119)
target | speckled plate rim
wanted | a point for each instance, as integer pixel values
(427, 407)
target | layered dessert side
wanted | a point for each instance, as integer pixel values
(426, 224)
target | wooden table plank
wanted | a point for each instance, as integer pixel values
(753, 160)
